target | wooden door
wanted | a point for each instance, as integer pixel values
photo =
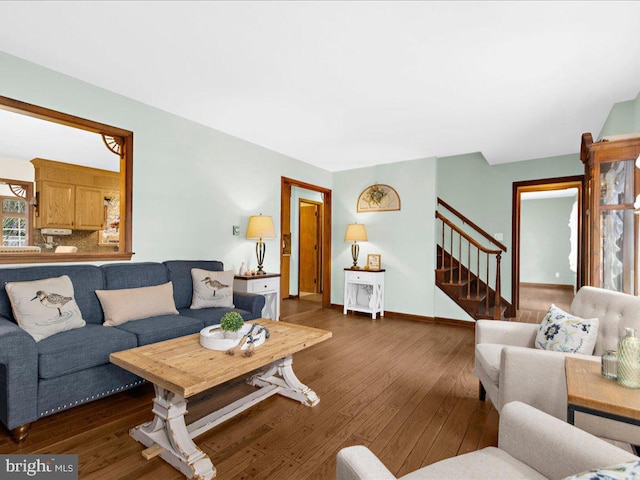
(308, 247)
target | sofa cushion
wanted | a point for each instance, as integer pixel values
(488, 463)
(86, 280)
(488, 358)
(562, 332)
(82, 348)
(212, 289)
(134, 275)
(45, 307)
(128, 304)
(179, 272)
(162, 327)
(212, 316)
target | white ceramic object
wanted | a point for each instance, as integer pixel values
(213, 338)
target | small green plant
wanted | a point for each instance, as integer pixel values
(231, 322)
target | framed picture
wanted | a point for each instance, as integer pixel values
(373, 261)
(378, 198)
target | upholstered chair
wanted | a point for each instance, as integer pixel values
(531, 445)
(510, 368)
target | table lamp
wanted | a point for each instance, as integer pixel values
(260, 227)
(355, 233)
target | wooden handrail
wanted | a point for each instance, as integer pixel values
(472, 225)
(467, 237)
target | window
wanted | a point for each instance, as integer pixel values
(14, 222)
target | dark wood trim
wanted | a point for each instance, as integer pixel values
(63, 257)
(541, 185)
(285, 200)
(560, 286)
(126, 180)
(472, 225)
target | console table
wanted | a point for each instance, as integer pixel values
(267, 285)
(372, 282)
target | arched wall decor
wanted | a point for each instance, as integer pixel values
(378, 198)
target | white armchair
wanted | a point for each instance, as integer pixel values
(510, 368)
(531, 445)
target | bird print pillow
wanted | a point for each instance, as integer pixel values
(212, 289)
(45, 307)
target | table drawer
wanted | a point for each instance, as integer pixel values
(263, 286)
(368, 277)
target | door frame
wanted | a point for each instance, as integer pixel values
(285, 211)
(543, 185)
(318, 255)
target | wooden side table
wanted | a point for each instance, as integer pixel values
(354, 280)
(589, 392)
(267, 285)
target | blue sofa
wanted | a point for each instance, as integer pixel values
(72, 367)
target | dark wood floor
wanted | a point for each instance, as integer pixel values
(403, 388)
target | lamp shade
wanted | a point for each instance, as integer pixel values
(260, 227)
(355, 233)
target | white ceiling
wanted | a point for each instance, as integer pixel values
(24, 138)
(348, 84)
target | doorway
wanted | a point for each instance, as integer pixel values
(547, 264)
(309, 253)
(291, 270)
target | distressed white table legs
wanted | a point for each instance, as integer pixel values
(288, 383)
(169, 431)
(174, 439)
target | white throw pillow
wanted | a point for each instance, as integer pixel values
(212, 289)
(623, 471)
(45, 307)
(562, 332)
(120, 306)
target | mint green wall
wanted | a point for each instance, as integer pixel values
(404, 238)
(191, 183)
(624, 117)
(484, 194)
(545, 241)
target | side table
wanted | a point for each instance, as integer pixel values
(591, 393)
(372, 281)
(267, 285)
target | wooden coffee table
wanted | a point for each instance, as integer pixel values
(181, 368)
(590, 392)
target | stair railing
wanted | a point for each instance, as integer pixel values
(456, 238)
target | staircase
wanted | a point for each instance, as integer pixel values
(468, 270)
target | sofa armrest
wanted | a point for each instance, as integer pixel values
(19, 360)
(359, 463)
(552, 447)
(535, 377)
(506, 333)
(253, 302)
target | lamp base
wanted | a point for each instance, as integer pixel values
(355, 251)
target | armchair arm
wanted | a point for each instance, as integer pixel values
(19, 363)
(252, 302)
(359, 463)
(552, 447)
(507, 333)
(535, 377)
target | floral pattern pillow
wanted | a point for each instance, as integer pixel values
(624, 471)
(562, 332)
